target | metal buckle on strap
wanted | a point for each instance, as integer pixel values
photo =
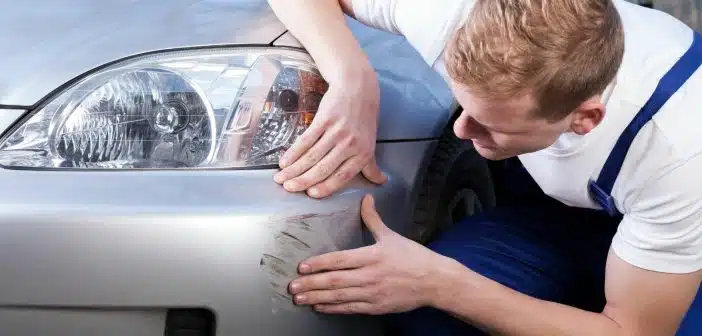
(605, 200)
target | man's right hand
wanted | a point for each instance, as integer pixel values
(340, 142)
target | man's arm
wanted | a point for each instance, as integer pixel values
(320, 27)
(639, 302)
(340, 142)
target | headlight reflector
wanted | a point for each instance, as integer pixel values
(196, 109)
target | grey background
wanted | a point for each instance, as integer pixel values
(689, 11)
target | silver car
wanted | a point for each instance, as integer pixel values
(139, 143)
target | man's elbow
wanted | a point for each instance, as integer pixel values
(640, 326)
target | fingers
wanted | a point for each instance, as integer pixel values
(373, 173)
(341, 176)
(309, 159)
(335, 296)
(302, 144)
(372, 219)
(322, 170)
(340, 260)
(328, 166)
(331, 280)
(348, 308)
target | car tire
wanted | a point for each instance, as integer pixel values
(457, 184)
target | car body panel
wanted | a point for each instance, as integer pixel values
(8, 117)
(416, 102)
(224, 240)
(103, 322)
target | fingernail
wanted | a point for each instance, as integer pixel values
(304, 268)
(300, 298)
(314, 192)
(283, 162)
(278, 178)
(294, 286)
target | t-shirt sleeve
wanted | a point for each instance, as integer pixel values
(427, 25)
(663, 230)
(379, 14)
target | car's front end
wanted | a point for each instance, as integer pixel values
(113, 253)
(138, 147)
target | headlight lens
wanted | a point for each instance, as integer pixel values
(196, 109)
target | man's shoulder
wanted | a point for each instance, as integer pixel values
(426, 25)
(680, 119)
(654, 42)
(664, 146)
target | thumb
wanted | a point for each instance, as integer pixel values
(372, 219)
(373, 173)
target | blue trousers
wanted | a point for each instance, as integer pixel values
(532, 244)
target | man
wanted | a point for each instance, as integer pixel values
(596, 107)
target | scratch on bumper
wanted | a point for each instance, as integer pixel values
(297, 238)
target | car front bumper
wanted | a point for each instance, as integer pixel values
(110, 253)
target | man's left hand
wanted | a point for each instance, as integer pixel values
(393, 275)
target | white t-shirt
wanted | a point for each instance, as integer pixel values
(659, 188)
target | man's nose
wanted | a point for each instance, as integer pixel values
(462, 129)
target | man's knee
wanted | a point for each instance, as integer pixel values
(508, 254)
(499, 251)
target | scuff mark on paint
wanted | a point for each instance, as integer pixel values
(288, 235)
(280, 269)
(299, 237)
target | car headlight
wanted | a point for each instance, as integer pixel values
(224, 108)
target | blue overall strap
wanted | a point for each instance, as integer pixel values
(668, 85)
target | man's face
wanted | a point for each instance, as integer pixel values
(503, 129)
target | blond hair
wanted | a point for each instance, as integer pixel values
(560, 51)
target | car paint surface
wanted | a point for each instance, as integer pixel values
(108, 252)
(81, 243)
(8, 117)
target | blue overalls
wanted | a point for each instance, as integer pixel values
(537, 245)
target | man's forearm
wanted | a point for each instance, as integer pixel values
(499, 310)
(320, 26)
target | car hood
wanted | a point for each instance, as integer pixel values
(47, 43)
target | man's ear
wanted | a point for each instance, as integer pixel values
(587, 116)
